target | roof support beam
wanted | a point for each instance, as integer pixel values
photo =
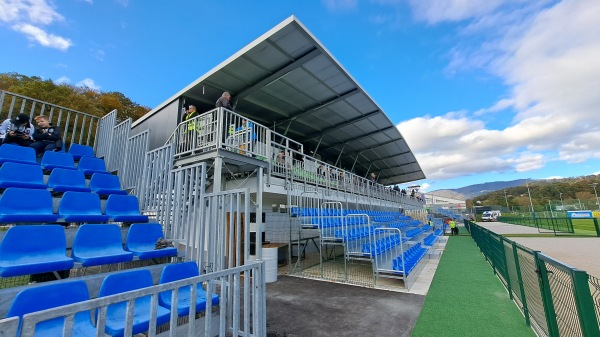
(294, 64)
(375, 147)
(319, 106)
(340, 156)
(351, 140)
(341, 125)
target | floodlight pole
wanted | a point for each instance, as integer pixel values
(550, 205)
(530, 202)
(597, 201)
(506, 199)
(561, 202)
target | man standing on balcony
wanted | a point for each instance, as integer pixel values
(224, 101)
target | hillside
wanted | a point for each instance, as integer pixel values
(472, 191)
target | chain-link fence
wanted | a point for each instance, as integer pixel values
(556, 299)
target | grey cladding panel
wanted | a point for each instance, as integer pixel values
(293, 42)
(284, 91)
(247, 71)
(268, 57)
(362, 103)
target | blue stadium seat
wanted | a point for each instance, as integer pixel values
(34, 249)
(91, 165)
(17, 154)
(180, 271)
(96, 245)
(21, 175)
(116, 313)
(106, 184)
(52, 160)
(81, 207)
(52, 296)
(141, 240)
(26, 205)
(124, 208)
(62, 180)
(78, 151)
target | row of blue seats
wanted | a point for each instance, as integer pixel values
(411, 233)
(51, 160)
(411, 258)
(426, 228)
(308, 211)
(381, 245)
(322, 222)
(430, 239)
(59, 180)
(354, 233)
(69, 292)
(31, 205)
(35, 249)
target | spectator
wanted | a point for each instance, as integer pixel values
(373, 177)
(17, 130)
(453, 228)
(396, 188)
(224, 101)
(280, 157)
(47, 137)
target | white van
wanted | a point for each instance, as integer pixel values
(488, 216)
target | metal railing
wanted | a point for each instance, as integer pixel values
(240, 312)
(133, 168)
(555, 298)
(77, 127)
(563, 225)
(223, 129)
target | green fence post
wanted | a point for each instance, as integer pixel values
(508, 280)
(596, 226)
(585, 304)
(521, 287)
(546, 296)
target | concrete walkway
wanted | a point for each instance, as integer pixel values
(579, 252)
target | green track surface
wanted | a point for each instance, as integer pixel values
(467, 299)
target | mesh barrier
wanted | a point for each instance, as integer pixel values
(563, 300)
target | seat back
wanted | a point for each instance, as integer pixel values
(125, 281)
(91, 165)
(97, 237)
(179, 271)
(21, 175)
(24, 204)
(48, 296)
(79, 203)
(105, 182)
(51, 160)
(62, 180)
(17, 154)
(122, 205)
(143, 236)
(79, 151)
(33, 240)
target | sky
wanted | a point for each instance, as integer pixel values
(482, 91)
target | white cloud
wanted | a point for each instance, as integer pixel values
(336, 5)
(88, 82)
(40, 36)
(62, 80)
(26, 17)
(548, 55)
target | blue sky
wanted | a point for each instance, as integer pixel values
(481, 90)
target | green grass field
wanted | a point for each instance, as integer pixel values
(467, 299)
(584, 226)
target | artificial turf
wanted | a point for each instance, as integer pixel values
(467, 299)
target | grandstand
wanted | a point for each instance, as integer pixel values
(213, 186)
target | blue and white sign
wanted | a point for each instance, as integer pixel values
(580, 214)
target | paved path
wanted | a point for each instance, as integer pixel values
(582, 253)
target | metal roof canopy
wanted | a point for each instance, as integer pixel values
(288, 81)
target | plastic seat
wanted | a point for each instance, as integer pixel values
(180, 271)
(141, 240)
(78, 151)
(52, 160)
(62, 180)
(21, 175)
(52, 296)
(17, 154)
(81, 207)
(124, 208)
(26, 205)
(96, 245)
(106, 184)
(116, 313)
(33, 249)
(91, 165)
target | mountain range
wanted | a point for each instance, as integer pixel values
(472, 191)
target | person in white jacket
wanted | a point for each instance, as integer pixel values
(17, 130)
